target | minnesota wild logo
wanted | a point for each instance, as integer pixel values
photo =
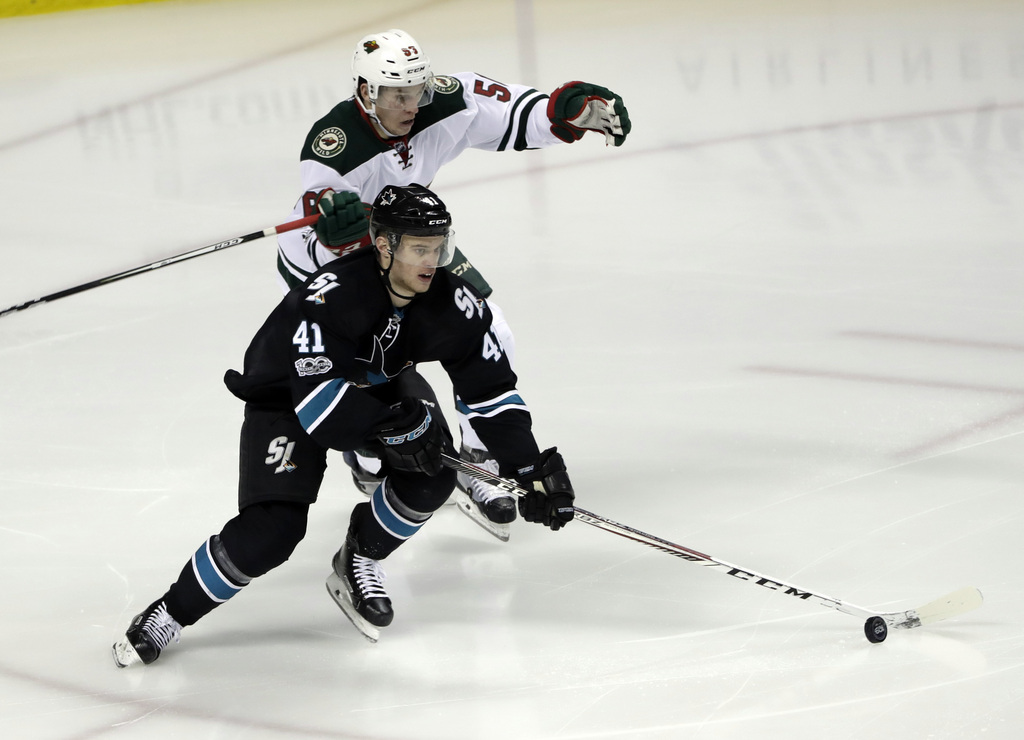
(370, 46)
(445, 84)
(330, 142)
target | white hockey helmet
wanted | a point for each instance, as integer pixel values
(391, 59)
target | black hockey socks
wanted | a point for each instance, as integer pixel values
(385, 522)
(207, 581)
(259, 539)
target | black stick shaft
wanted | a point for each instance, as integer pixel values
(297, 224)
(671, 548)
(952, 604)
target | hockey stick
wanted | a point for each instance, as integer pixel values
(297, 224)
(876, 624)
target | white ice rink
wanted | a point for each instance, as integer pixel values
(782, 325)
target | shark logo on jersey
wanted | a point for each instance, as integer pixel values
(330, 142)
(445, 84)
(377, 372)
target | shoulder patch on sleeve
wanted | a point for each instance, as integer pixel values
(445, 84)
(330, 142)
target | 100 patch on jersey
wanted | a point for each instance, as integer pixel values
(313, 366)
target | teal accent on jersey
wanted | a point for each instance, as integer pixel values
(507, 402)
(315, 408)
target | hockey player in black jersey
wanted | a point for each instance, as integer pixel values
(401, 125)
(334, 367)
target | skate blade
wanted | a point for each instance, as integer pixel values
(465, 504)
(124, 653)
(340, 595)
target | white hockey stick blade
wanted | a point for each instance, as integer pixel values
(945, 607)
(951, 605)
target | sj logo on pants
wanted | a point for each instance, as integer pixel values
(281, 455)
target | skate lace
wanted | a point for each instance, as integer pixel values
(369, 577)
(484, 492)
(161, 627)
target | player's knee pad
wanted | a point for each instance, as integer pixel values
(422, 493)
(395, 513)
(263, 536)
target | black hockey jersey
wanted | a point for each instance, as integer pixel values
(331, 349)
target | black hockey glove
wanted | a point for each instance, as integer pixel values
(578, 107)
(413, 442)
(342, 221)
(550, 497)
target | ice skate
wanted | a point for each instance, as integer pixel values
(357, 584)
(489, 506)
(363, 479)
(147, 635)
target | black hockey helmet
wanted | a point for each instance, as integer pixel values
(417, 213)
(409, 210)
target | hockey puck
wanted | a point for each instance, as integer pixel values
(875, 629)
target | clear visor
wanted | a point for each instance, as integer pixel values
(423, 251)
(405, 98)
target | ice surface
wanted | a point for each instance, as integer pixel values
(782, 325)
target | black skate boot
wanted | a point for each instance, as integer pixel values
(357, 584)
(490, 507)
(364, 480)
(147, 635)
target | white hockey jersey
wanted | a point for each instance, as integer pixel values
(344, 152)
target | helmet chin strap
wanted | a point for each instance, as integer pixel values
(385, 274)
(371, 115)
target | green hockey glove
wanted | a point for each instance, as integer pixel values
(342, 221)
(577, 107)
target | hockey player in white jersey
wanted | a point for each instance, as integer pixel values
(402, 124)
